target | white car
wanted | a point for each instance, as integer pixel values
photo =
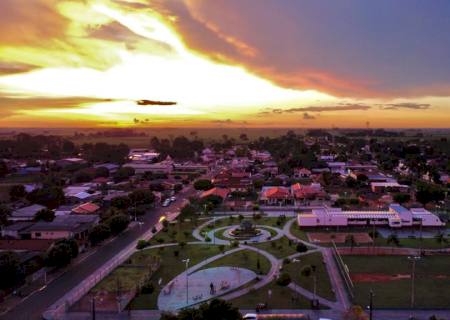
(173, 198)
(250, 316)
(166, 203)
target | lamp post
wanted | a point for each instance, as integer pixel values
(93, 308)
(413, 259)
(186, 261)
(371, 305)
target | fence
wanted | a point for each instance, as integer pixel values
(59, 308)
(343, 270)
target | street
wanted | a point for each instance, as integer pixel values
(34, 305)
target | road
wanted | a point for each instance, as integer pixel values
(34, 305)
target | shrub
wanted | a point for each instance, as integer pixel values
(301, 247)
(148, 288)
(284, 279)
(142, 244)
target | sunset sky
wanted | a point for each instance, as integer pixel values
(224, 63)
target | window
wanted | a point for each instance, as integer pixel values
(37, 234)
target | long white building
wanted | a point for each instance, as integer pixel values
(395, 217)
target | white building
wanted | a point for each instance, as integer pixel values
(396, 216)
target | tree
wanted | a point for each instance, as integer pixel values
(4, 170)
(203, 184)
(440, 238)
(402, 198)
(99, 233)
(141, 196)
(17, 192)
(121, 202)
(5, 212)
(9, 269)
(355, 313)
(73, 245)
(118, 223)
(393, 238)
(123, 174)
(219, 310)
(284, 279)
(168, 316)
(45, 215)
(306, 271)
(50, 196)
(427, 192)
(301, 247)
(101, 172)
(59, 255)
(187, 211)
(350, 239)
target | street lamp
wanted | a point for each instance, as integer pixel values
(413, 259)
(186, 261)
(371, 304)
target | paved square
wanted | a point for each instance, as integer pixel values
(224, 279)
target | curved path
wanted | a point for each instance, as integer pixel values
(342, 301)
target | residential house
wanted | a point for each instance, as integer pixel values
(86, 208)
(276, 196)
(64, 227)
(26, 213)
(381, 187)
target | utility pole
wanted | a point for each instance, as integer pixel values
(413, 276)
(187, 281)
(93, 308)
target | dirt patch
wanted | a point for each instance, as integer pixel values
(378, 251)
(377, 277)
(328, 237)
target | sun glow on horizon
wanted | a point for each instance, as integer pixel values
(197, 84)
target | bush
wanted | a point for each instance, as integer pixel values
(142, 244)
(99, 233)
(301, 247)
(286, 261)
(148, 288)
(284, 279)
(118, 223)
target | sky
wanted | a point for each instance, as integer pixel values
(225, 63)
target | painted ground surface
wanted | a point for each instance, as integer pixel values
(224, 279)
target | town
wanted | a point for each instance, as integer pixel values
(308, 223)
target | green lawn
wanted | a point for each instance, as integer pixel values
(324, 288)
(432, 285)
(233, 220)
(170, 267)
(425, 243)
(176, 232)
(279, 248)
(299, 233)
(281, 298)
(243, 259)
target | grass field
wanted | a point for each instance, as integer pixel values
(279, 248)
(176, 232)
(267, 221)
(299, 233)
(432, 284)
(135, 269)
(324, 288)
(281, 298)
(243, 259)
